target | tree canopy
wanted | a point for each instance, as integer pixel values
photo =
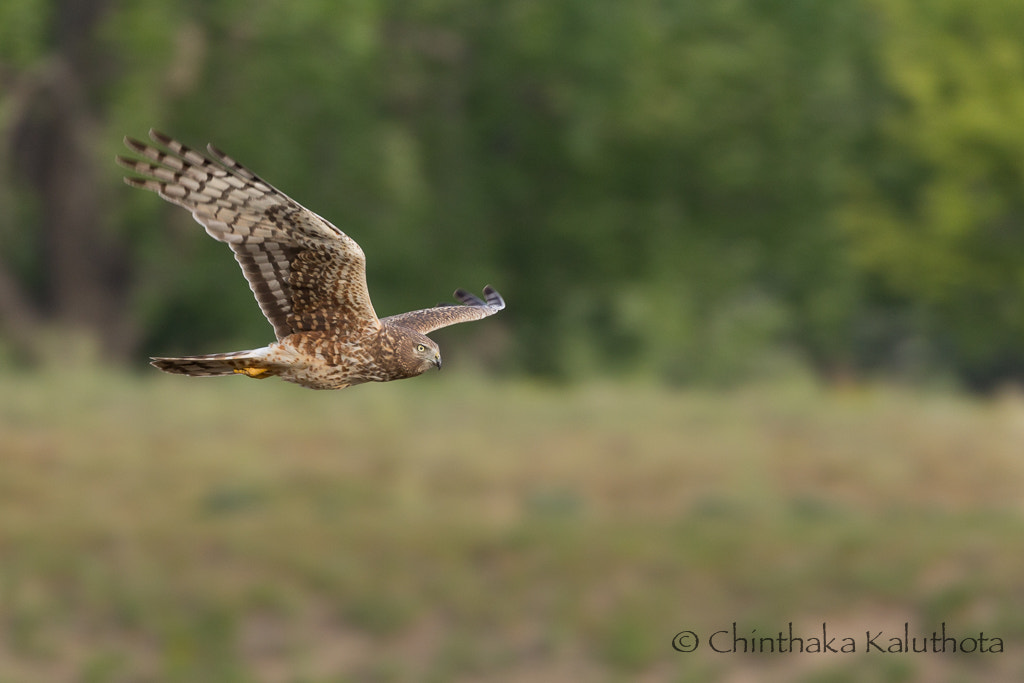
(685, 190)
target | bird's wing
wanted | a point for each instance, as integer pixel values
(306, 273)
(430, 319)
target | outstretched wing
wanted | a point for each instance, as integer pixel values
(430, 319)
(306, 273)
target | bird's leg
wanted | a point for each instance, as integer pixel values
(257, 373)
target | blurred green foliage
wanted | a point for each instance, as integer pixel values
(688, 190)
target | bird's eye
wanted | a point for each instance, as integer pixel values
(421, 348)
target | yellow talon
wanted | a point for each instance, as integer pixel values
(258, 373)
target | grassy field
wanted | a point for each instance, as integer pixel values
(453, 529)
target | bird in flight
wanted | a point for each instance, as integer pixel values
(308, 276)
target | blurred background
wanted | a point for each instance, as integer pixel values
(765, 271)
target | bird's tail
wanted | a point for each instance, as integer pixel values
(251, 363)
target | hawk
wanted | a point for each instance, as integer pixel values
(308, 276)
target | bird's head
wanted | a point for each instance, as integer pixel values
(420, 353)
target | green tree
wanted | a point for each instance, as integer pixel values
(938, 219)
(688, 190)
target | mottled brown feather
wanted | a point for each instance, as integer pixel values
(269, 233)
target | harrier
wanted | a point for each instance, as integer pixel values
(308, 276)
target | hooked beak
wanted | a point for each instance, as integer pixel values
(437, 360)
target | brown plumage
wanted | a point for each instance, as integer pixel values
(308, 276)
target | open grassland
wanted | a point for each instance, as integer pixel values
(452, 529)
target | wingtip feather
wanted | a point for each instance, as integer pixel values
(162, 138)
(133, 144)
(493, 299)
(467, 298)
